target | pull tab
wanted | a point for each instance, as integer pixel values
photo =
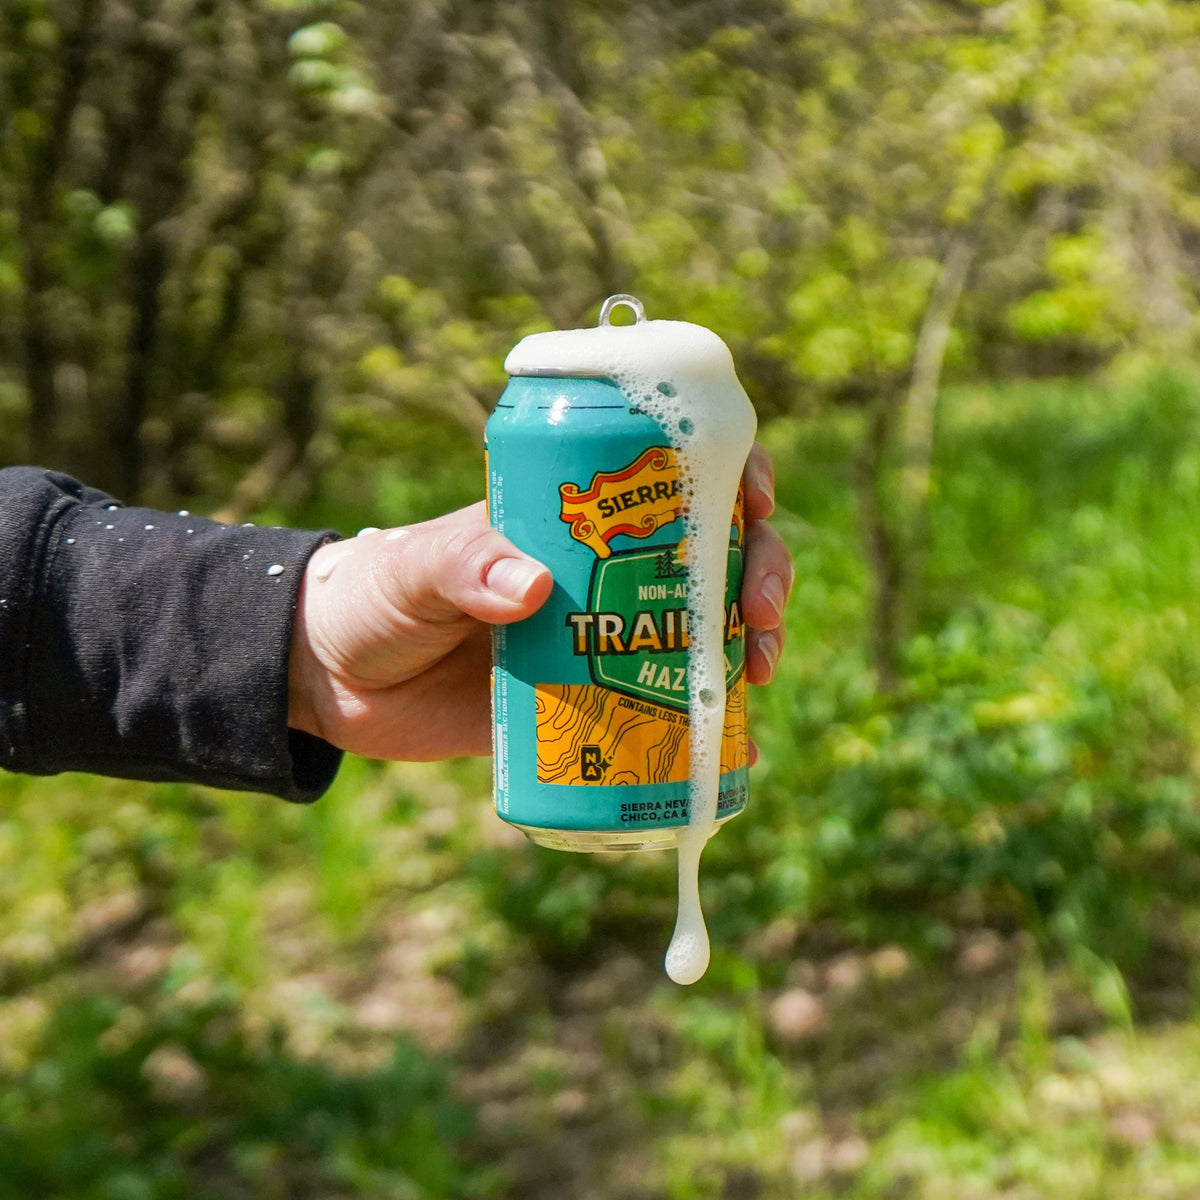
(630, 302)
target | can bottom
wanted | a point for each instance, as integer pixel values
(600, 841)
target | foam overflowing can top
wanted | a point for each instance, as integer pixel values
(681, 375)
(639, 358)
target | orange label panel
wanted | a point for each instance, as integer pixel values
(591, 735)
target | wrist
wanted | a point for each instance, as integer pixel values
(303, 669)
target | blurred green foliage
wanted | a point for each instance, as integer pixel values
(260, 254)
(265, 257)
(955, 936)
(89, 1119)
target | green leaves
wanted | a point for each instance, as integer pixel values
(320, 40)
(1089, 300)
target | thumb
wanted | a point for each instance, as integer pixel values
(457, 564)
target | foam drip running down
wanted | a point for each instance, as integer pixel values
(683, 376)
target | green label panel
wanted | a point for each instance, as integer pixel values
(636, 629)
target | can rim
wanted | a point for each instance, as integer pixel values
(548, 373)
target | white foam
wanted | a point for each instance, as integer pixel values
(683, 376)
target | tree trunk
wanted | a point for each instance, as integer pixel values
(36, 215)
(37, 344)
(285, 467)
(920, 407)
(881, 540)
(148, 269)
(894, 504)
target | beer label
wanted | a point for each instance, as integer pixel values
(593, 735)
(636, 501)
(630, 726)
(634, 632)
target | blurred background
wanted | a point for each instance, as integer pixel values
(263, 259)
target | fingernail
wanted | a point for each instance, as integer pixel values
(766, 484)
(513, 577)
(775, 592)
(770, 645)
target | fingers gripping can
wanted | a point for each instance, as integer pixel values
(590, 695)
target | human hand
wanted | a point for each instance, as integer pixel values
(769, 574)
(391, 649)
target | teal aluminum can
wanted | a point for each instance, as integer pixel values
(590, 694)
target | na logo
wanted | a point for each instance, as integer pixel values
(592, 764)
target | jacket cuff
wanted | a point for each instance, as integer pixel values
(158, 649)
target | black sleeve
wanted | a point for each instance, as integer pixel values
(148, 645)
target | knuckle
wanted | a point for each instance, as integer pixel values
(471, 550)
(763, 544)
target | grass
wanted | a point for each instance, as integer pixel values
(956, 936)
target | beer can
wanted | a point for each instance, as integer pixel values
(590, 695)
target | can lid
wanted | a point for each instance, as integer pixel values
(620, 300)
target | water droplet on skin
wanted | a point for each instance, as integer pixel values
(327, 563)
(367, 530)
(397, 535)
(276, 569)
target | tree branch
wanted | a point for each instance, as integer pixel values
(920, 405)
